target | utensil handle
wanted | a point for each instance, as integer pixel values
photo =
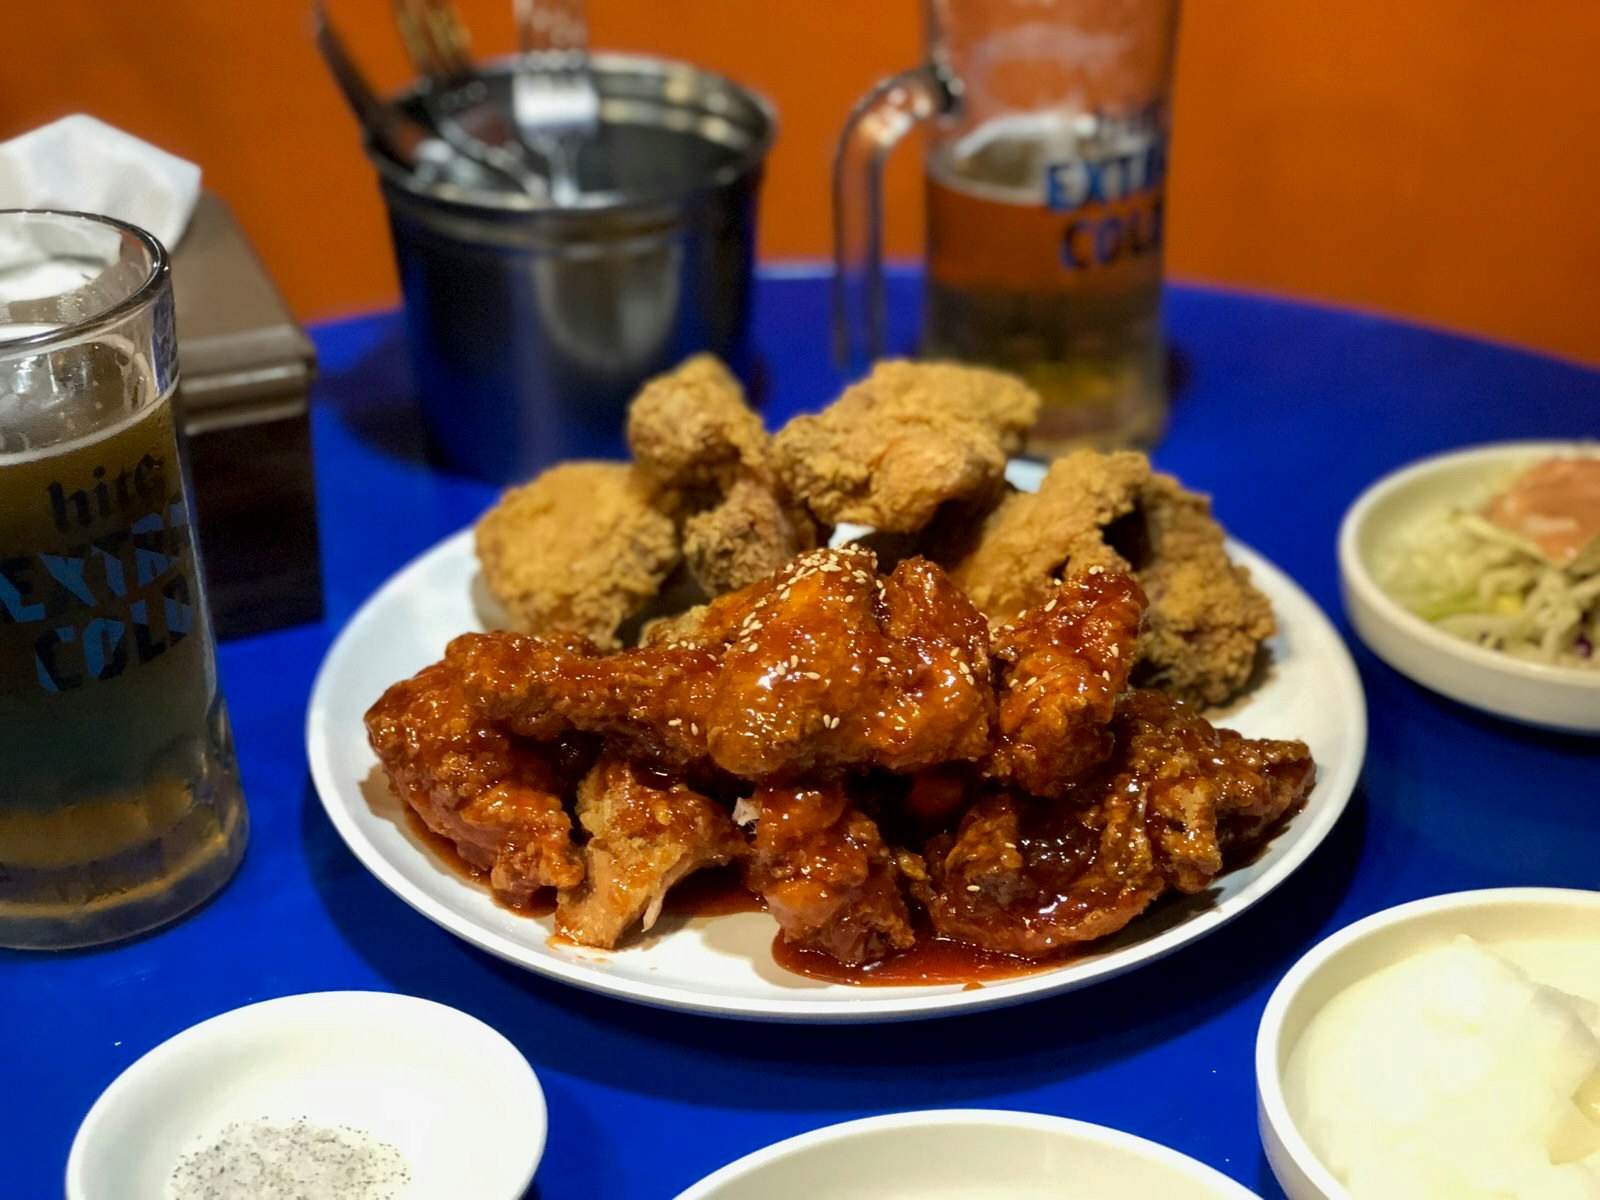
(451, 44)
(878, 123)
(552, 25)
(435, 40)
(393, 133)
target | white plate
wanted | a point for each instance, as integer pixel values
(723, 964)
(458, 1101)
(1543, 694)
(959, 1153)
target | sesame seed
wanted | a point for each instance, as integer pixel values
(883, 658)
(693, 728)
(1097, 570)
(972, 887)
(810, 675)
(1050, 607)
(675, 722)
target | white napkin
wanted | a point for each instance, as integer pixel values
(85, 165)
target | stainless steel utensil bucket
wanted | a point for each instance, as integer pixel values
(532, 326)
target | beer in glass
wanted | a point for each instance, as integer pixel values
(1046, 171)
(120, 805)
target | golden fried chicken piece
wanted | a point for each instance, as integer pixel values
(821, 667)
(496, 797)
(1206, 620)
(826, 874)
(752, 531)
(1063, 664)
(1029, 877)
(708, 459)
(690, 429)
(645, 834)
(578, 550)
(906, 439)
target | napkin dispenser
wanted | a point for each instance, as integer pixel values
(243, 395)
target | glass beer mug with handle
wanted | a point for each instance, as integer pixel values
(1045, 174)
(120, 806)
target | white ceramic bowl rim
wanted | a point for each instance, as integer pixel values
(1359, 577)
(1269, 1034)
(265, 1014)
(998, 1118)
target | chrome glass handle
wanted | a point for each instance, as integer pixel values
(876, 125)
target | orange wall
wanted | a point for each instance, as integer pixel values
(1438, 159)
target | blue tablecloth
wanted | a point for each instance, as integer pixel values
(1284, 414)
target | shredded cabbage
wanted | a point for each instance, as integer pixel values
(1484, 584)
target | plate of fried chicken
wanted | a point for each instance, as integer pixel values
(913, 700)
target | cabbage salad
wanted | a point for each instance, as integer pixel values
(1487, 585)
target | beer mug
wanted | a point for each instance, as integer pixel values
(120, 805)
(1045, 174)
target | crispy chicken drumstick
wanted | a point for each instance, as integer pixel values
(822, 667)
(498, 798)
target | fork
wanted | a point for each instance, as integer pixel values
(553, 96)
(456, 99)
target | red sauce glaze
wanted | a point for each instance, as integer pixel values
(720, 891)
(444, 849)
(712, 893)
(541, 904)
(933, 960)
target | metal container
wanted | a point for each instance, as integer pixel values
(531, 326)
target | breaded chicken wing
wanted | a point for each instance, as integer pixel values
(1062, 665)
(691, 431)
(498, 798)
(1205, 621)
(708, 460)
(578, 550)
(651, 705)
(822, 667)
(645, 834)
(903, 441)
(826, 874)
(750, 532)
(1028, 876)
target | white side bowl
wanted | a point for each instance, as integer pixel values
(955, 1154)
(454, 1097)
(1565, 698)
(1368, 946)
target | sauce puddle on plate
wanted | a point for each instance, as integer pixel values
(931, 961)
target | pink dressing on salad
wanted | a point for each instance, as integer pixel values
(1555, 505)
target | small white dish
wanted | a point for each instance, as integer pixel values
(959, 1153)
(1556, 697)
(1495, 915)
(455, 1098)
